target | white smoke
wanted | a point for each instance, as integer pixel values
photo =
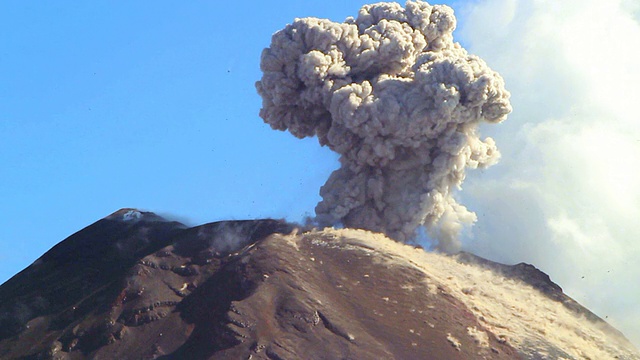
(566, 197)
(400, 101)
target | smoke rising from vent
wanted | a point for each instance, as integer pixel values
(400, 101)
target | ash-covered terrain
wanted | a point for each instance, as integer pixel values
(135, 286)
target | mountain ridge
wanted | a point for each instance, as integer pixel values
(135, 285)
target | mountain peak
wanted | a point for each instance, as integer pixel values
(133, 215)
(140, 288)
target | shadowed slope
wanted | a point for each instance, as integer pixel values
(134, 286)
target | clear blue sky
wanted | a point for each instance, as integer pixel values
(112, 104)
(105, 105)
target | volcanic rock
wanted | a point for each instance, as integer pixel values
(136, 286)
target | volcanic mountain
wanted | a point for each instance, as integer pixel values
(136, 286)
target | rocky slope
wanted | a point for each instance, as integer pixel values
(135, 286)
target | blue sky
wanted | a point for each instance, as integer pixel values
(106, 105)
(111, 104)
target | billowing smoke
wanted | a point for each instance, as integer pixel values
(400, 101)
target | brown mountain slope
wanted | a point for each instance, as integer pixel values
(134, 286)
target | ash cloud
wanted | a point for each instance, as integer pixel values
(400, 101)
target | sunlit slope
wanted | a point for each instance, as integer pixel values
(540, 323)
(135, 286)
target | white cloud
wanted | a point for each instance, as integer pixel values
(566, 196)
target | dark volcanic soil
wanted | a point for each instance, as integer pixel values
(134, 286)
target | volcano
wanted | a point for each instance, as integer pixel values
(137, 286)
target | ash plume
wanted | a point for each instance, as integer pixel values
(400, 101)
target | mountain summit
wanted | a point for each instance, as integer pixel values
(136, 286)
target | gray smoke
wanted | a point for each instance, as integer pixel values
(400, 101)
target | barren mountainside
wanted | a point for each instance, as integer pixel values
(136, 286)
